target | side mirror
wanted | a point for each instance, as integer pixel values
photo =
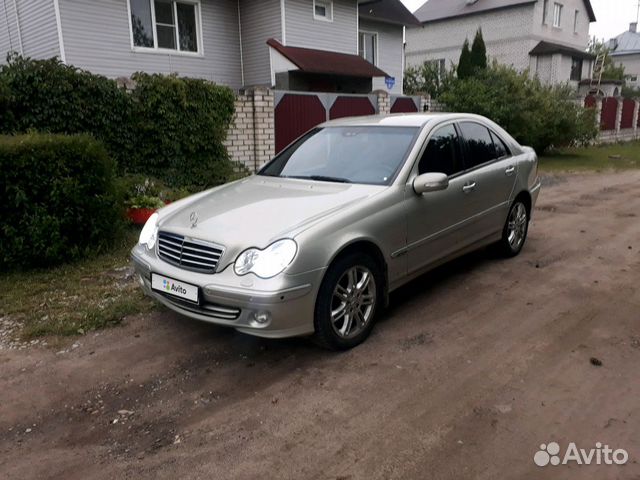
(430, 182)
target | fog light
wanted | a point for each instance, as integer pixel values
(260, 319)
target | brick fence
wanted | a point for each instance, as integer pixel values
(251, 139)
(617, 118)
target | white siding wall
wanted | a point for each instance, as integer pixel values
(8, 31)
(340, 35)
(390, 52)
(39, 29)
(97, 38)
(631, 67)
(508, 35)
(37, 23)
(260, 21)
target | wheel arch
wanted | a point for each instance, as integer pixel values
(525, 196)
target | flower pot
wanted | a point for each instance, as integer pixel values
(139, 216)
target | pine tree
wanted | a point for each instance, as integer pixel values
(465, 67)
(479, 52)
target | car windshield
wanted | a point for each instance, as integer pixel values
(369, 155)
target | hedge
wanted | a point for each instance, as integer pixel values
(169, 127)
(60, 199)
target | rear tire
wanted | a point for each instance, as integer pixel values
(516, 228)
(348, 302)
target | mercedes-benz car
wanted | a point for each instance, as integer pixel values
(315, 241)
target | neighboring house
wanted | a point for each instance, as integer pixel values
(547, 37)
(625, 50)
(224, 41)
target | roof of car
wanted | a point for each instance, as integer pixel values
(396, 119)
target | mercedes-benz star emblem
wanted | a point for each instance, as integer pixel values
(193, 218)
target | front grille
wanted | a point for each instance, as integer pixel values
(208, 309)
(191, 254)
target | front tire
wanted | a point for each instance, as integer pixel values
(516, 228)
(348, 301)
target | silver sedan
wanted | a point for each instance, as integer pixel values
(315, 241)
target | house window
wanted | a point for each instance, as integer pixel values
(323, 10)
(576, 20)
(440, 65)
(368, 46)
(576, 69)
(165, 25)
(545, 11)
(557, 15)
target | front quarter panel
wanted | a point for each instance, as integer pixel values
(380, 221)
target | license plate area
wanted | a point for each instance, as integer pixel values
(175, 288)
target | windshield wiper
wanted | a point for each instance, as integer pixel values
(321, 178)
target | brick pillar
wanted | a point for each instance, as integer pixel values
(619, 115)
(384, 102)
(599, 113)
(251, 137)
(264, 125)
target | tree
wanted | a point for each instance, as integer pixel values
(465, 67)
(479, 52)
(429, 78)
(611, 71)
(535, 114)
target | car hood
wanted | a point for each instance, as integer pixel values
(259, 210)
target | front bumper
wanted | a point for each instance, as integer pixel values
(287, 301)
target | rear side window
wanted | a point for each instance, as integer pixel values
(442, 153)
(501, 148)
(480, 147)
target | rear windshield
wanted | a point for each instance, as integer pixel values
(368, 155)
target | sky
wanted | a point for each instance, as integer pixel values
(613, 16)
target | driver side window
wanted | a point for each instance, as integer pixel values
(442, 153)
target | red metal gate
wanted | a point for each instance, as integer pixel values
(609, 113)
(351, 107)
(590, 101)
(404, 105)
(294, 115)
(628, 109)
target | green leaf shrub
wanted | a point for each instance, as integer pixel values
(535, 114)
(180, 124)
(60, 199)
(168, 127)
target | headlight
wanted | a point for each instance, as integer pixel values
(269, 262)
(149, 232)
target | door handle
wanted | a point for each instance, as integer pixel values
(469, 187)
(509, 171)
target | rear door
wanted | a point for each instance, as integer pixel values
(490, 174)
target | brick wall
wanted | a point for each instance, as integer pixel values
(251, 137)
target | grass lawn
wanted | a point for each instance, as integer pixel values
(76, 298)
(618, 156)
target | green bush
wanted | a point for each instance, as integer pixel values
(60, 200)
(536, 115)
(168, 127)
(49, 96)
(180, 124)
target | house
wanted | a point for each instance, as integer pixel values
(351, 46)
(547, 37)
(625, 51)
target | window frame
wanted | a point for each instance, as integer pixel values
(545, 11)
(169, 51)
(466, 152)
(416, 162)
(377, 49)
(557, 15)
(329, 5)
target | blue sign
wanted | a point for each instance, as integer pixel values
(390, 81)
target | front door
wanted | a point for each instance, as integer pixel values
(437, 221)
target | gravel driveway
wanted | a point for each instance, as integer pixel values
(474, 366)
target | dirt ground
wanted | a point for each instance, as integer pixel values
(472, 368)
